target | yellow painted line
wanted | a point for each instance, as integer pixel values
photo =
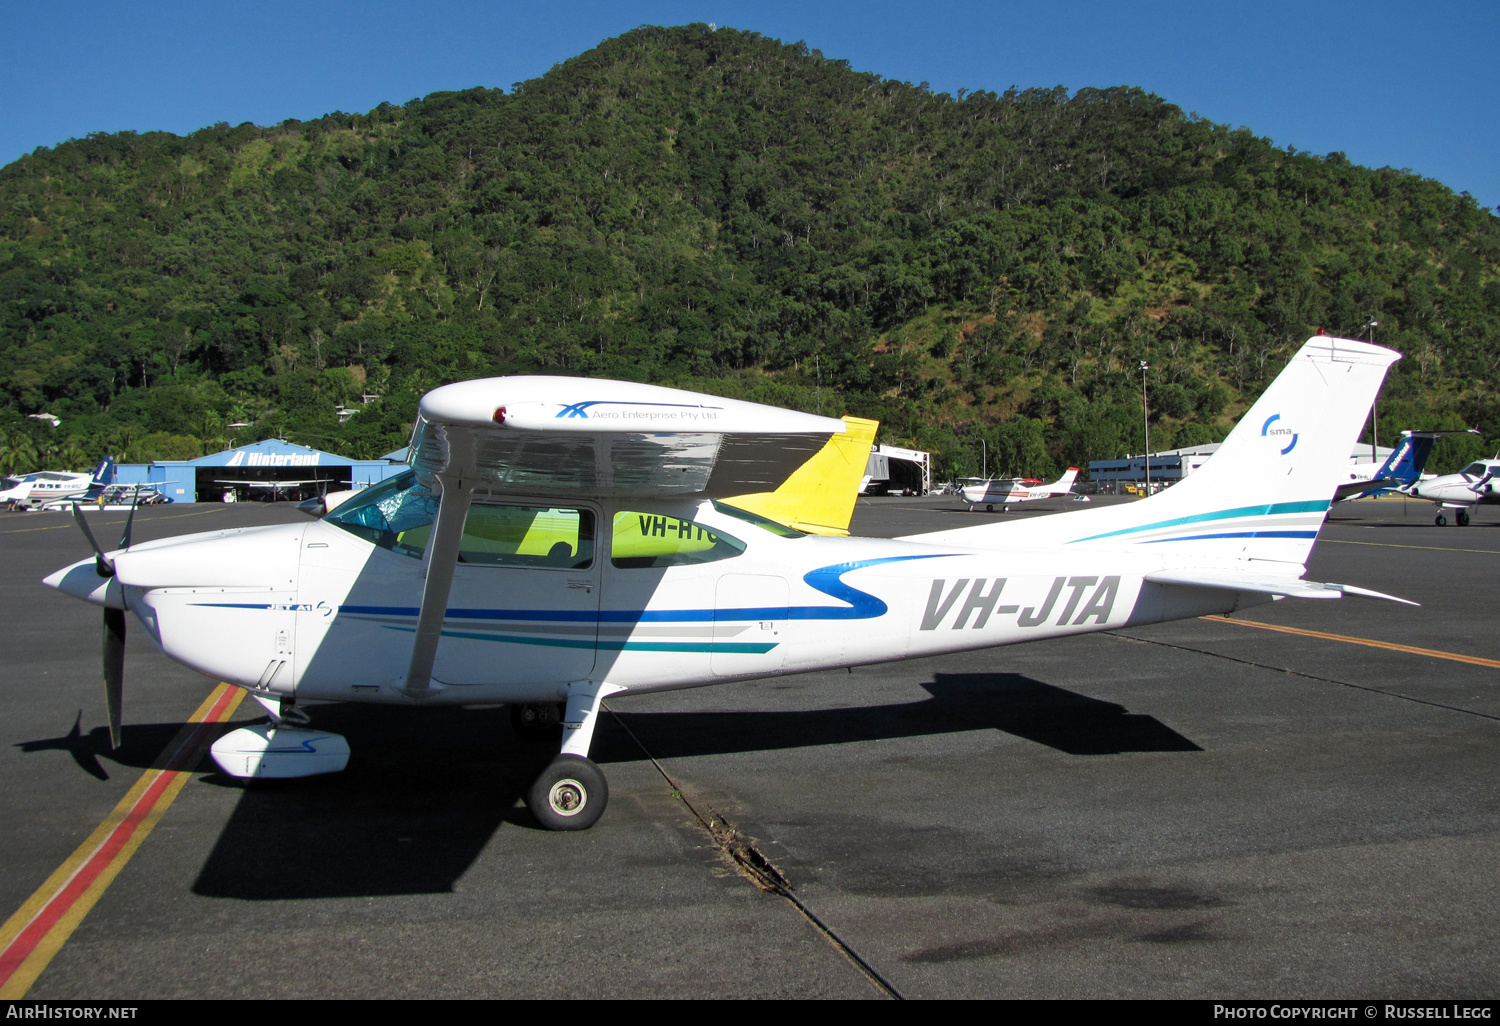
(1393, 545)
(60, 527)
(36, 933)
(1390, 646)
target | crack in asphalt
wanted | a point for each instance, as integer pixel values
(753, 864)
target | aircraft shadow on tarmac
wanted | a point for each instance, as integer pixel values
(1009, 702)
(426, 789)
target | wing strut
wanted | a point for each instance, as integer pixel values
(442, 557)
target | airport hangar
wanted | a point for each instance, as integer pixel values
(279, 470)
(1169, 466)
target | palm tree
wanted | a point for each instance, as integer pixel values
(17, 453)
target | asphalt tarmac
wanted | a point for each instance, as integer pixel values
(1201, 809)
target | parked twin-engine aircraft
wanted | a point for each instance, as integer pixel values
(1472, 486)
(1015, 489)
(1401, 470)
(32, 491)
(561, 540)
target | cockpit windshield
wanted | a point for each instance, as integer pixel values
(396, 514)
(1474, 471)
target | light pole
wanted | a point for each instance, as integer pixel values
(1146, 422)
(1370, 325)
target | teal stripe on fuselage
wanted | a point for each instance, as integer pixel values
(1270, 509)
(738, 647)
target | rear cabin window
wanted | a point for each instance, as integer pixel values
(650, 540)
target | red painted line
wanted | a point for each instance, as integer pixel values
(58, 906)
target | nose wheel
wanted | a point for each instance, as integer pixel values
(1440, 520)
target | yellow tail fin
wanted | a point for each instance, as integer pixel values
(819, 496)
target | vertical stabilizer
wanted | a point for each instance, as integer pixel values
(1064, 484)
(1262, 495)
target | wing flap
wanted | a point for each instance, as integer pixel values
(1265, 584)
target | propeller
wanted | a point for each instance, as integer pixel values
(114, 628)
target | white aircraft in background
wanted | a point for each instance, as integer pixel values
(118, 497)
(1401, 470)
(32, 491)
(1014, 489)
(1472, 486)
(559, 541)
(277, 487)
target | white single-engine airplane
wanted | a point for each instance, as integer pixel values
(277, 487)
(562, 540)
(1015, 489)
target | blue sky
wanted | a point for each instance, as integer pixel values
(1409, 85)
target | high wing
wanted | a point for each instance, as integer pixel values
(569, 436)
(557, 436)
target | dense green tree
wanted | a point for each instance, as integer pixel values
(723, 211)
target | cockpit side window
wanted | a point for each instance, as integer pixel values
(533, 536)
(650, 540)
(398, 515)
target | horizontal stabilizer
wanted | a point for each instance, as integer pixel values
(1265, 584)
(1355, 489)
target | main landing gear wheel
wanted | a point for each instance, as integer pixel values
(1462, 516)
(1440, 520)
(989, 507)
(569, 795)
(537, 721)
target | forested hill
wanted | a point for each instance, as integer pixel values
(722, 211)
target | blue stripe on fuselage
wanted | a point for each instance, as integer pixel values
(1233, 534)
(826, 579)
(1270, 509)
